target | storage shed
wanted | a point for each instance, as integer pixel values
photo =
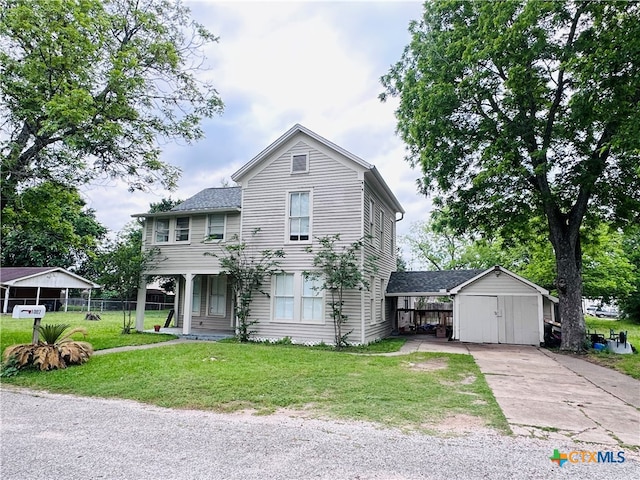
(489, 306)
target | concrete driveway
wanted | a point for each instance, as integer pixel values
(548, 395)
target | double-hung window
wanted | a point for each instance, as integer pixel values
(299, 216)
(372, 230)
(217, 295)
(162, 230)
(284, 297)
(381, 227)
(182, 229)
(215, 229)
(312, 299)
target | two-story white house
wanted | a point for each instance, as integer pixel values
(300, 188)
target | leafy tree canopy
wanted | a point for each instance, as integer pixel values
(87, 89)
(48, 225)
(518, 109)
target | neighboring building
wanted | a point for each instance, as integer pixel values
(299, 188)
(47, 286)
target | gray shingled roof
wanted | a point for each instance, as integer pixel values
(211, 199)
(11, 273)
(428, 282)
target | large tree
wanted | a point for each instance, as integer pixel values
(520, 109)
(89, 88)
(49, 225)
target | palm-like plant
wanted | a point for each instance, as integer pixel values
(55, 350)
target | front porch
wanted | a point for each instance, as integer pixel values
(196, 334)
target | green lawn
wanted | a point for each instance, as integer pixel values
(413, 391)
(102, 334)
(628, 364)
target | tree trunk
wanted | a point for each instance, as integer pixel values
(570, 295)
(569, 283)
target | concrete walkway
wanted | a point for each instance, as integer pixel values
(549, 395)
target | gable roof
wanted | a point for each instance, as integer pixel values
(31, 277)
(207, 200)
(498, 269)
(427, 283)
(370, 170)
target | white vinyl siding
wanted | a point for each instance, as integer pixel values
(216, 226)
(299, 216)
(372, 300)
(217, 295)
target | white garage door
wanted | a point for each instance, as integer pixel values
(503, 319)
(478, 319)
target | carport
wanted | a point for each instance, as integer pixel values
(489, 306)
(40, 285)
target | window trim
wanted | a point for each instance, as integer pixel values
(372, 222)
(156, 230)
(298, 172)
(381, 229)
(223, 279)
(287, 233)
(298, 299)
(224, 228)
(172, 231)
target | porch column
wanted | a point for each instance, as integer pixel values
(141, 301)
(5, 306)
(188, 299)
(66, 299)
(89, 301)
(38, 296)
(176, 303)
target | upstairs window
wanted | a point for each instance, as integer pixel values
(182, 229)
(215, 229)
(372, 229)
(299, 216)
(381, 226)
(162, 230)
(300, 163)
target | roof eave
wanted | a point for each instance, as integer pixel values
(187, 212)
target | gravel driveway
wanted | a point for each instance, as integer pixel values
(46, 436)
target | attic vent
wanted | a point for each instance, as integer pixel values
(299, 163)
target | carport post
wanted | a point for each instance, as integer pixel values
(5, 307)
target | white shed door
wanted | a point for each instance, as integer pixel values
(520, 317)
(478, 319)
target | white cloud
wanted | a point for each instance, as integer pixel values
(280, 63)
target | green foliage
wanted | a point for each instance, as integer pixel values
(48, 224)
(518, 110)
(122, 268)
(87, 87)
(10, 367)
(338, 272)
(246, 270)
(631, 303)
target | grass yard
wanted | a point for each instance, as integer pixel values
(102, 334)
(412, 391)
(628, 364)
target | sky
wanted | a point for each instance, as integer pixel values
(317, 63)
